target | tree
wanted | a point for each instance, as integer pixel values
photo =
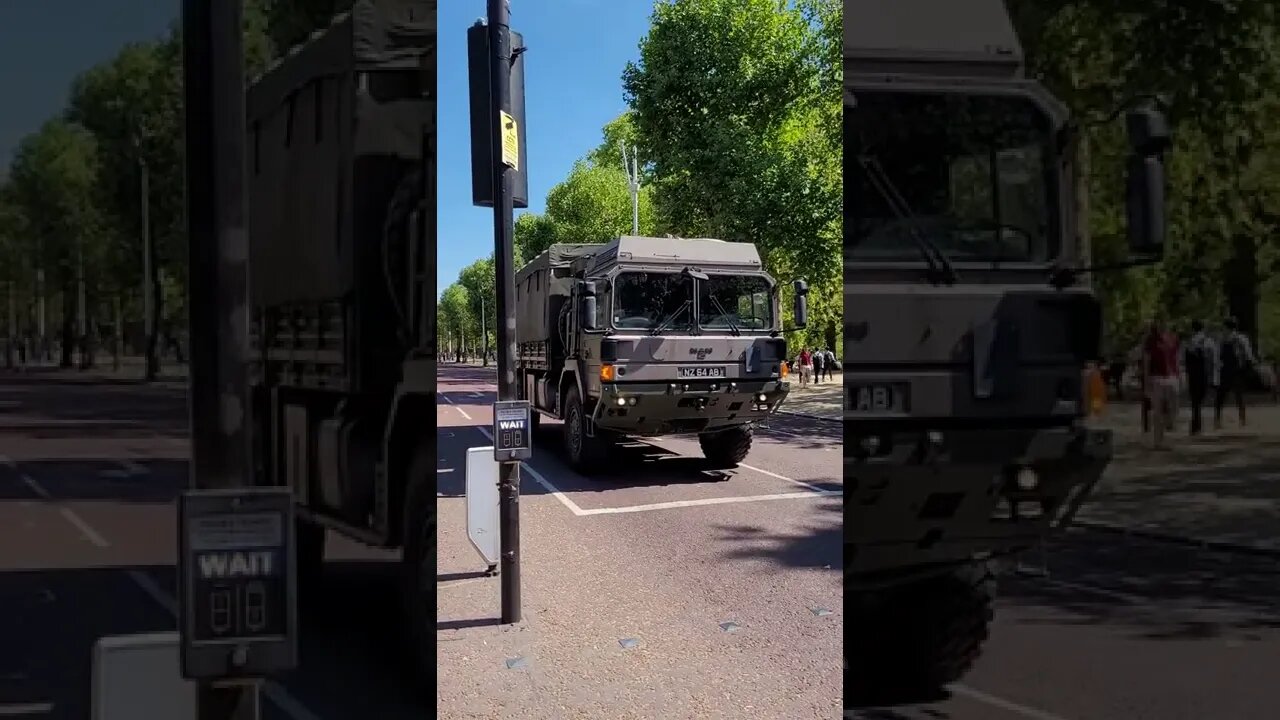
(731, 110)
(52, 180)
(456, 316)
(478, 279)
(1215, 62)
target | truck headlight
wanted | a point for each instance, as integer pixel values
(762, 398)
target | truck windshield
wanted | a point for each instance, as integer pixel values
(976, 172)
(744, 302)
(643, 300)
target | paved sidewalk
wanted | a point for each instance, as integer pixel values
(1220, 488)
(822, 400)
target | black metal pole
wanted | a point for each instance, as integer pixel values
(213, 63)
(503, 259)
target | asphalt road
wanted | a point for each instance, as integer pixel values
(88, 477)
(658, 551)
(1120, 630)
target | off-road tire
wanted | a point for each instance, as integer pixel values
(418, 568)
(726, 448)
(921, 636)
(585, 454)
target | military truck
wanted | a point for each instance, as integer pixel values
(646, 336)
(969, 325)
(342, 263)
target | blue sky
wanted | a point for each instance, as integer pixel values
(573, 86)
(44, 44)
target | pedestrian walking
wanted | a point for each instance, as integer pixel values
(830, 365)
(1160, 368)
(806, 366)
(819, 364)
(1237, 361)
(1201, 362)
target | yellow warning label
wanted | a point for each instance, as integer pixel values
(510, 140)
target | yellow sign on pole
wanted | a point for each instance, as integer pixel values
(510, 141)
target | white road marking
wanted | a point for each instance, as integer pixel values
(36, 487)
(707, 501)
(1102, 592)
(455, 407)
(274, 692)
(133, 468)
(813, 491)
(1003, 704)
(537, 476)
(805, 485)
(85, 528)
(19, 709)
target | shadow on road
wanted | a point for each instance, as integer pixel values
(1152, 590)
(819, 544)
(144, 481)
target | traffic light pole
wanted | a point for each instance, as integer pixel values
(213, 65)
(503, 236)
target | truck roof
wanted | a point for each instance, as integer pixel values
(638, 250)
(934, 37)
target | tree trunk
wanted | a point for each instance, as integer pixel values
(1242, 284)
(67, 354)
(117, 324)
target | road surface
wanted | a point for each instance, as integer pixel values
(89, 472)
(1121, 630)
(658, 553)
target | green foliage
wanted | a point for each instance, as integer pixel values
(1215, 63)
(592, 205)
(74, 188)
(735, 109)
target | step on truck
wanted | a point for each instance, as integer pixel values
(646, 336)
(970, 324)
(342, 260)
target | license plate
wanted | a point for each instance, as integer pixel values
(876, 398)
(700, 372)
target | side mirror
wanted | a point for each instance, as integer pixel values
(801, 310)
(587, 314)
(1149, 138)
(587, 305)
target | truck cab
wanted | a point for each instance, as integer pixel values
(970, 321)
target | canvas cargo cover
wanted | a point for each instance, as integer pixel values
(333, 127)
(542, 286)
(944, 37)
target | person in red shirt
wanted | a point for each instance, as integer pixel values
(1161, 354)
(806, 366)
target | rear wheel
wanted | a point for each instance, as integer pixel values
(922, 635)
(585, 453)
(726, 448)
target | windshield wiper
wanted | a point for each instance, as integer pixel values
(940, 269)
(670, 318)
(733, 327)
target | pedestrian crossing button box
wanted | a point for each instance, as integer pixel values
(238, 610)
(512, 430)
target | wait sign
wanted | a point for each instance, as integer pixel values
(512, 430)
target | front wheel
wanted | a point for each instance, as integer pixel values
(585, 452)
(725, 449)
(922, 635)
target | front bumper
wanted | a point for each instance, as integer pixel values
(923, 501)
(680, 407)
